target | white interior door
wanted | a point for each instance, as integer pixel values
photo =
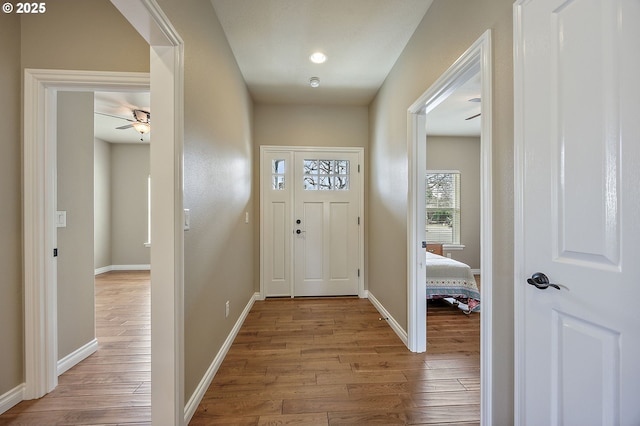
(310, 222)
(577, 205)
(326, 224)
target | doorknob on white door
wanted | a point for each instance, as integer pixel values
(541, 281)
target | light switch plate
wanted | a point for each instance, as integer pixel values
(187, 220)
(61, 219)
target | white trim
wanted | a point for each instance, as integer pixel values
(361, 228)
(11, 398)
(110, 268)
(167, 65)
(395, 326)
(476, 271)
(39, 171)
(192, 405)
(76, 356)
(477, 57)
(167, 222)
(518, 216)
(453, 247)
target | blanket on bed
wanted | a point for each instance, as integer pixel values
(449, 278)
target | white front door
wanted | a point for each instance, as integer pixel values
(326, 224)
(577, 130)
(311, 222)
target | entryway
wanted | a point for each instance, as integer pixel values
(311, 222)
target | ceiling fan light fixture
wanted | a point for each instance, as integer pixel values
(314, 82)
(318, 58)
(141, 127)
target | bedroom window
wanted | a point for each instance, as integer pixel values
(443, 206)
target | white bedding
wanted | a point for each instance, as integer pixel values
(448, 278)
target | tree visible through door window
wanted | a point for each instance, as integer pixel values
(326, 175)
(443, 207)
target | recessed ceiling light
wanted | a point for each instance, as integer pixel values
(318, 58)
(314, 82)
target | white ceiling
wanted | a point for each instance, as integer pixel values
(272, 40)
(120, 105)
(449, 117)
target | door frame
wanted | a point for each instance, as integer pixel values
(477, 58)
(165, 82)
(292, 149)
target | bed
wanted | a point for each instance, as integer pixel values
(452, 281)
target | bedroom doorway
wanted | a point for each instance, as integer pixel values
(475, 61)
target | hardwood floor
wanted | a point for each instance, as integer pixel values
(112, 386)
(295, 361)
(332, 361)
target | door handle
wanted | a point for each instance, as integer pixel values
(541, 281)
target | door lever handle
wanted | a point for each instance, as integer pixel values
(541, 281)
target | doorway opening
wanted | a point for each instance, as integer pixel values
(476, 60)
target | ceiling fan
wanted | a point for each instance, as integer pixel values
(141, 121)
(476, 115)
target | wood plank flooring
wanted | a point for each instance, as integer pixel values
(333, 362)
(112, 386)
(295, 361)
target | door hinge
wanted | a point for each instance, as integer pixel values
(358, 220)
(358, 271)
(358, 168)
(55, 252)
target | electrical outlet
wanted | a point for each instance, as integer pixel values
(226, 309)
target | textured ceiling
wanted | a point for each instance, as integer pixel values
(272, 40)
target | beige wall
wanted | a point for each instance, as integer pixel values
(447, 30)
(462, 154)
(82, 35)
(75, 291)
(129, 204)
(218, 171)
(11, 312)
(102, 204)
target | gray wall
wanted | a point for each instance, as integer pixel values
(463, 154)
(11, 304)
(129, 205)
(76, 313)
(121, 204)
(102, 204)
(447, 30)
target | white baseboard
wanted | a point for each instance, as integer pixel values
(11, 398)
(395, 326)
(475, 271)
(76, 356)
(109, 268)
(201, 389)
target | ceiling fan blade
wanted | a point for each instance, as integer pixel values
(124, 127)
(473, 116)
(113, 116)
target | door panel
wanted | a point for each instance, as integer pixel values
(327, 204)
(276, 193)
(577, 110)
